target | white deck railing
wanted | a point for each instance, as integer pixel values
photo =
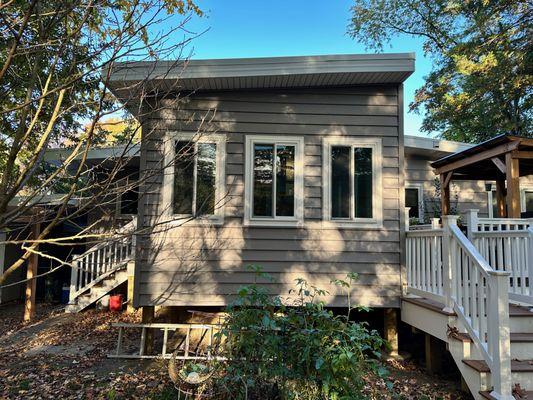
(442, 264)
(507, 246)
(102, 260)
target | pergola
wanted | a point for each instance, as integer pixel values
(504, 158)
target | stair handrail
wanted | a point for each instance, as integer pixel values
(469, 280)
(102, 259)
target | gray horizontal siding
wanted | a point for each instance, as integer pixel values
(204, 265)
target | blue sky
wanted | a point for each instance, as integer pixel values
(239, 28)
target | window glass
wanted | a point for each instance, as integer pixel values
(263, 180)
(206, 178)
(340, 182)
(183, 177)
(494, 204)
(529, 201)
(285, 180)
(411, 201)
(363, 182)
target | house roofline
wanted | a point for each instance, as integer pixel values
(261, 73)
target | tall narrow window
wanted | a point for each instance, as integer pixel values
(352, 180)
(195, 178)
(274, 180)
(412, 201)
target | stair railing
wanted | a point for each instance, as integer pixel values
(442, 264)
(506, 247)
(102, 260)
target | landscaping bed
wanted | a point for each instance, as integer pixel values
(63, 356)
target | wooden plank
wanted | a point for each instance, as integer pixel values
(523, 154)
(513, 186)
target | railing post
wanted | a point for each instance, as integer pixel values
(447, 270)
(435, 224)
(498, 318)
(407, 218)
(472, 223)
(73, 280)
(529, 260)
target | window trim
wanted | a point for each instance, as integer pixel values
(375, 144)
(298, 143)
(220, 177)
(420, 187)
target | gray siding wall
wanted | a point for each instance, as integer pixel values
(205, 265)
(465, 195)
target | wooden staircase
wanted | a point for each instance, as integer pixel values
(431, 317)
(474, 294)
(102, 268)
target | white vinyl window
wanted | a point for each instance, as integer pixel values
(274, 180)
(352, 181)
(194, 178)
(414, 200)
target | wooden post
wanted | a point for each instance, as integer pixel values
(391, 330)
(500, 199)
(147, 317)
(445, 194)
(513, 186)
(434, 352)
(31, 284)
(129, 308)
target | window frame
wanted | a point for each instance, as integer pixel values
(420, 188)
(220, 176)
(376, 222)
(297, 219)
(523, 189)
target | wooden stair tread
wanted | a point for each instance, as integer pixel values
(515, 337)
(429, 304)
(519, 311)
(514, 310)
(486, 395)
(516, 365)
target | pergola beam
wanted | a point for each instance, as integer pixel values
(499, 164)
(484, 155)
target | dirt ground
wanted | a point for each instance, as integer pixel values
(64, 356)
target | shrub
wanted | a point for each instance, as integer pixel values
(295, 349)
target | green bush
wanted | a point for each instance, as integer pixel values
(295, 349)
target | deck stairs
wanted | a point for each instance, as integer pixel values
(472, 291)
(102, 268)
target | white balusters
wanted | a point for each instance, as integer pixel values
(102, 259)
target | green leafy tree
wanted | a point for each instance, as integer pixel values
(480, 85)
